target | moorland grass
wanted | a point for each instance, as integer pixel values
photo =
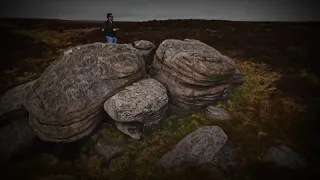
(262, 117)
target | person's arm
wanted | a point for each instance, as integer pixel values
(104, 27)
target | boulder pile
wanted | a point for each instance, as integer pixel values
(67, 101)
(195, 74)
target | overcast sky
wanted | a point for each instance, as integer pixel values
(142, 10)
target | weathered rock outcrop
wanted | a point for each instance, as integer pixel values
(237, 78)
(12, 105)
(148, 50)
(142, 104)
(208, 144)
(195, 74)
(65, 103)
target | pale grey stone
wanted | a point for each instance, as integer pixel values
(195, 74)
(144, 103)
(66, 101)
(207, 144)
(216, 113)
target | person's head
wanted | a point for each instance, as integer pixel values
(110, 16)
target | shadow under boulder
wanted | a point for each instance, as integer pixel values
(16, 138)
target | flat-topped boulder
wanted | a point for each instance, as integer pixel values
(195, 74)
(66, 101)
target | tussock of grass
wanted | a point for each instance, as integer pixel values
(50, 37)
(259, 82)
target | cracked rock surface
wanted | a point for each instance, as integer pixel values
(140, 105)
(195, 74)
(64, 104)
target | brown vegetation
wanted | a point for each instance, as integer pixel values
(278, 104)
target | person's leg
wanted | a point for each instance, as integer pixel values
(114, 40)
(109, 39)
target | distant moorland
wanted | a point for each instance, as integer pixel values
(278, 103)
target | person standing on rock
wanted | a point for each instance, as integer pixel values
(110, 29)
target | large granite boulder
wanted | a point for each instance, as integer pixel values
(12, 104)
(208, 144)
(140, 105)
(148, 50)
(195, 74)
(66, 102)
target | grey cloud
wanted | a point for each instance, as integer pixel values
(137, 10)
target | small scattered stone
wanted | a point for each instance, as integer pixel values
(262, 134)
(213, 112)
(283, 156)
(108, 149)
(130, 130)
(208, 144)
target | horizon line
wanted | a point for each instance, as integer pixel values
(169, 19)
